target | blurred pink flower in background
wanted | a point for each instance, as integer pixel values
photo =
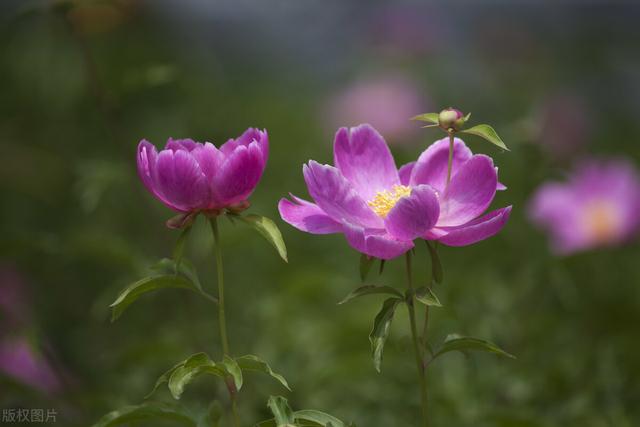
(386, 102)
(563, 124)
(21, 361)
(20, 358)
(598, 206)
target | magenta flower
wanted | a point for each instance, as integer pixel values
(381, 209)
(190, 177)
(598, 206)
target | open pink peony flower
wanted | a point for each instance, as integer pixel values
(188, 176)
(598, 206)
(381, 209)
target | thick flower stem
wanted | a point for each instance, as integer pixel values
(416, 344)
(221, 313)
(450, 162)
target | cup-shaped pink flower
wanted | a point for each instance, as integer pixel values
(189, 177)
(599, 205)
(381, 210)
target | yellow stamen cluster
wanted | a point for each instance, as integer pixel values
(602, 221)
(386, 200)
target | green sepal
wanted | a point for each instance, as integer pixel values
(369, 290)
(427, 117)
(488, 133)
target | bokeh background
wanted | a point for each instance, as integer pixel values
(82, 82)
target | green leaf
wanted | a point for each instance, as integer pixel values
(132, 292)
(488, 133)
(427, 117)
(191, 368)
(380, 331)
(164, 378)
(167, 266)
(365, 265)
(178, 250)
(146, 411)
(281, 410)
(232, 368)
(317, 417)
(426, 296)
(371, 289)
(456, 342)
(436, 265)
(250, 362)
(269, 231)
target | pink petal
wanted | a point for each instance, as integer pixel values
(375, 243)
(363, 157)
(470, 192)
(431, 167)
(405, 173)
(412, 216)
(180, 181)
(247, 137)
(239, 174)
(147, 164)
(337, 197)
(476, 230)
(306, 216)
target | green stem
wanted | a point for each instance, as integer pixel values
(416, 345)
(450, 162)
(221, 313)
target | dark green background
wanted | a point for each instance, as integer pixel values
(77, 96)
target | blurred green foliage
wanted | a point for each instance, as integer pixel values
(78, 95)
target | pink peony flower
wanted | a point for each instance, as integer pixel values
(381, 209)
(189, 177)
(598, 206)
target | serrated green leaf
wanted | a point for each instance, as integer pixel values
(269, 230)
(456, 342)
(146, 411)
(380, 331)
(436, 265)
(369, 290)
(178, 250)
(488, 133)
(281, 411)
(426, 296)
(365, 265)
(317, 417)
(427, 117)
(232, 368)
(132, 292)
(191, 368)
(250, 362)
